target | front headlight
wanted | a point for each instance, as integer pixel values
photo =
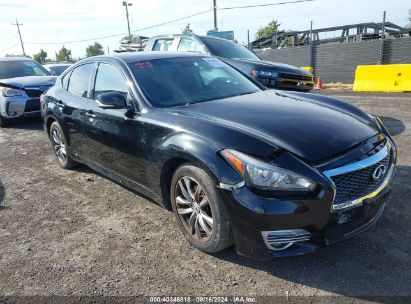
(265, 176)
(9, 92)
(263, 74)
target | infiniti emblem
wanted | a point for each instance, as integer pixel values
(379, 173)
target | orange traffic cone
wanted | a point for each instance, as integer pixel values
(319, 85)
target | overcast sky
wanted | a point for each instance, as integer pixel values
(48, 21)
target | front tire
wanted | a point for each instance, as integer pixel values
(3, 122)
(199, 210)
(59, 143)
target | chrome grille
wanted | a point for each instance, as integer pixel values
(296, 77)
(356, 184)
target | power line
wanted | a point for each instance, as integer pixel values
(168, 22)
(171, 21)
(262, 5)
(122, 34)
(9, 48)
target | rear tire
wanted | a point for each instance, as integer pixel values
(59, 142)
(199, 210)
(4, 122)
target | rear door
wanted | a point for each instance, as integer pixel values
(71, 102)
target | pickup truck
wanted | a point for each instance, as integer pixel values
(270, 74)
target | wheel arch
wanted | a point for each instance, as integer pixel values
(48, 122)
(183, 149)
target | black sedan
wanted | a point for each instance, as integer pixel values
(274, 173)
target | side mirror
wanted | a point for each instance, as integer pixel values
(111, 100)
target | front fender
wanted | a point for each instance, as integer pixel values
(201, 151)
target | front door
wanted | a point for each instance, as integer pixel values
(113, 137)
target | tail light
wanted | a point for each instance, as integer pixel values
(42, 99)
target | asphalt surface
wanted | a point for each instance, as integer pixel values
(77, 233)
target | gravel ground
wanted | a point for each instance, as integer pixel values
(78, 233)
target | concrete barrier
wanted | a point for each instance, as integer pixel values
(383, 78)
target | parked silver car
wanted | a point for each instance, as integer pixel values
(22, 81)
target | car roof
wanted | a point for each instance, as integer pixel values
(130, 57)
(57, 64)
(19, 58)
(188, 35)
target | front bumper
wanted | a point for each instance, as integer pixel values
(21, 107)
(307, 223)
(314, 216)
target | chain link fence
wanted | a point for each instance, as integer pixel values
(337, 62)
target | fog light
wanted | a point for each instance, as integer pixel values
(283, 239)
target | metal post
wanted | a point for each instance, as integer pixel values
(311, 46)
(21, 40)
(215, 16)
(126, 4)
(248, 38)
(382, 38)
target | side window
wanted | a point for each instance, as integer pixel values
(79, 80)
(65, 80)
(162, 44)
(110, 79)
(190, 45)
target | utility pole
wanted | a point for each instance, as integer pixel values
(126, 4)
(215, 16)
(248, 38)
(21, 40)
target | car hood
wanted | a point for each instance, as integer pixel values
(29, 81)
(278, 67)
(311, 129)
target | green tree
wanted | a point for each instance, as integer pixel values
(187, 29)
(41, 56)
(94, 49)
(63, 54)
(409, 19)
(269, 29)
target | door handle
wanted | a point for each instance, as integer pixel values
(90, 113)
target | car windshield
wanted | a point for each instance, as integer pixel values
(228, 49)
(185, 80)
(21, 68)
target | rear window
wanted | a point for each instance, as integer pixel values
(162, 44)
(228, 49)
(21, 68)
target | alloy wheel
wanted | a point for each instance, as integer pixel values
(193, 208)
(59, 145)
